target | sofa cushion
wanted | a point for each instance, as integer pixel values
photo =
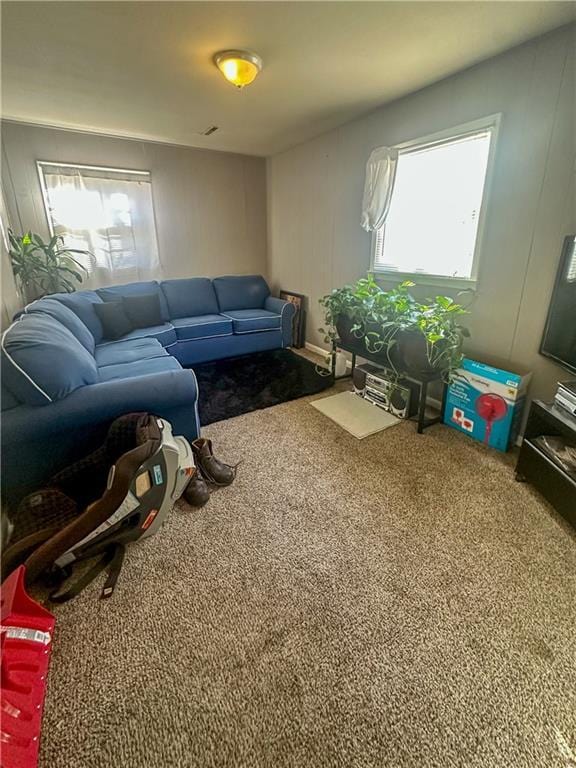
(202, 327)
(115, 321)
(8, 400)
(117, 292)
(143, 310)
(139, 368)
(66, 316)
(241, 292)
(128, 351)
(82, 304)
(165, 334)
(252, 320)
(190, 297)
(43, 362)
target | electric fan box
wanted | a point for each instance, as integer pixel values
(486, 402)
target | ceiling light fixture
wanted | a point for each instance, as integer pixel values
(238, 67)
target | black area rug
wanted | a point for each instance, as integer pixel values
(241, 384)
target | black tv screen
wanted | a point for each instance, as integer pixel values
(559, 339)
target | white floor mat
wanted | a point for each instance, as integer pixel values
(354, 414)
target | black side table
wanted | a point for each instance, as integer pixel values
(422, 420)
(539, 469)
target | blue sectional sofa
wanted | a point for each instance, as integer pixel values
(63, 382)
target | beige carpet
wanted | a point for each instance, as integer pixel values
(395, 601)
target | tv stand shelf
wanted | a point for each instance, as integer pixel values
(538, 468)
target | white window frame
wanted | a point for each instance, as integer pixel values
(491, 123)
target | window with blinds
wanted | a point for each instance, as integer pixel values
(106, 211)
(432, 227)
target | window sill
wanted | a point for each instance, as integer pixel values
(420, 278)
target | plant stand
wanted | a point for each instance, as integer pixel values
(422, 420)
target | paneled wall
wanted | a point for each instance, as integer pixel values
(315, 194)
(210, 206)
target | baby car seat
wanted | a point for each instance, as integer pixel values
(119, 493)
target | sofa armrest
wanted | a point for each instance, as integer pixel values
(105, 401)
(287, 311)
(38, 441)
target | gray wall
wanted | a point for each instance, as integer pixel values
(315, 242)
(210, 206)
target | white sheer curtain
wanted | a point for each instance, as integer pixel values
(109, 213)
(378, 187)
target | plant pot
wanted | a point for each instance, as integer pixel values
(353, 341)
(383, 355)
(344, 327)
(356, 342)
(413, 355)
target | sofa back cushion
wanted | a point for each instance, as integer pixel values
(115, 321)
(144, 311)
(66, 316)
(82, 304)
(118, 292)
(241, 292)
(190, 297)
(43, 362)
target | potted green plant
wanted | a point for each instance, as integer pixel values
(45, 267)
(407, 336)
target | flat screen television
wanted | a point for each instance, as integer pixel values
(559, 339)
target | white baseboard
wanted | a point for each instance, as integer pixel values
(315, 349)
(323, 352)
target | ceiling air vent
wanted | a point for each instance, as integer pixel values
(209, 131)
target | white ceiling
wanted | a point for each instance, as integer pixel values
(144, 69)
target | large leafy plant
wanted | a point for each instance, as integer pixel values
(384, 318)
(45, 267)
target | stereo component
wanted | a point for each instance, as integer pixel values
(359, 379)
(400, 402)
(566, 396)
(360, 373)
(378, 386)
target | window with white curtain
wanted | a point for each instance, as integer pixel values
(433, 225)
(108, 212)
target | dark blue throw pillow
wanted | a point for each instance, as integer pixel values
(144, 310)
(115, 321)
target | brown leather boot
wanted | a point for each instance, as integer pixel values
(215, 471)
(196, 492)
